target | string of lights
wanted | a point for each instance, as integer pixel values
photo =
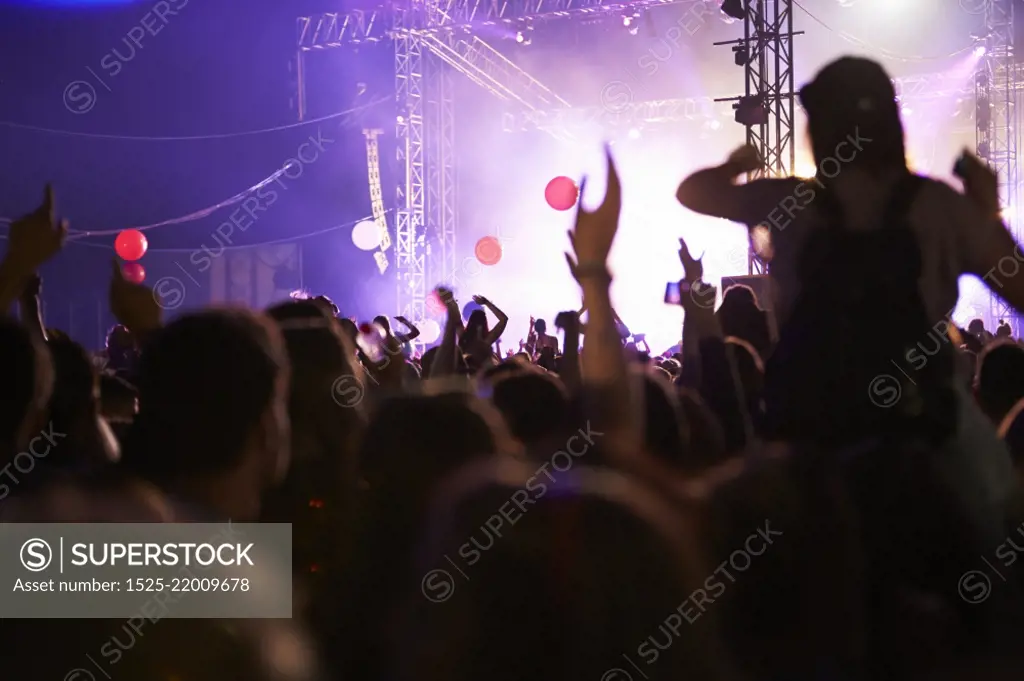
(272, 242)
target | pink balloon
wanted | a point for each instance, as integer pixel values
(488, 251)
(131, 244)
(134, 272)
(561, 193)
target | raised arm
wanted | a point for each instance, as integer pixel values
(617, 404)
(413, 334)
(134, 305)
(716, 192)
(30, 310)
(444, 361)
(711, 362)
(569, 322)
(987, 245)
(32, 240)
(499, 328)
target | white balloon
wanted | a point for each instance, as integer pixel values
(366, 235)
(430, 331)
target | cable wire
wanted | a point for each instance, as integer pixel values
(854, 40)
(272, 242)
(187, 138)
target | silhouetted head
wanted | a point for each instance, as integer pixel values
(1000, 379)
(535, 404)
(540, 326)
(383, 322)
(476, 325)
(349, 328)
(213, 408)
(853, 117)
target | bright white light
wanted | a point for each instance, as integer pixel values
(634, 134)
(626, 21)
(430, 331)
(806, 169)
(366, 235)
(520, 37)
(907, 111)
(980, 51)
(715, 125)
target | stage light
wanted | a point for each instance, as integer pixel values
(524, 36)
(751, 111)
(980, 51)
(741, 55)
(520, 38)
(631, 22)
(634, 134)
(734, 9)
(907, 111)
(806, 170)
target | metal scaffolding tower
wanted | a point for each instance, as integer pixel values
(427, 50)
(767, 106)
(996, 118)
(410, 133)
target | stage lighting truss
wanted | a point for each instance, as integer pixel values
(997, 123)
(566, 122)
(377, 198)
(333, 29)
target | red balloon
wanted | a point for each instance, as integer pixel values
(488, 251)
(134, 272)
(434, 304)
(561, 193)
(131, 244)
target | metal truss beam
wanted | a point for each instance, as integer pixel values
(915, 88)
(442, 181)
(768, 42)
(997, 117)
(334, 29)
(411, 196)
(493, 71)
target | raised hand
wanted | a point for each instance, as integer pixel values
(567, 320)
(36, 237)
(981, 184)
(594, 231)
(693, 269)
(480, 300)
(448, 298)
(747, 159)
(134, 305)
(33, 287)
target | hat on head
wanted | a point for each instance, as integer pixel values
(859, 86)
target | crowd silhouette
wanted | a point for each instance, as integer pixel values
(786, 496)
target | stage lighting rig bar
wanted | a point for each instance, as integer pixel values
(335, 29)
(569, 120)
(492, 71)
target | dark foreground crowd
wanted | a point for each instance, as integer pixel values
(829, 494)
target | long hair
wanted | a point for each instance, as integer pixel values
(476, 329)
